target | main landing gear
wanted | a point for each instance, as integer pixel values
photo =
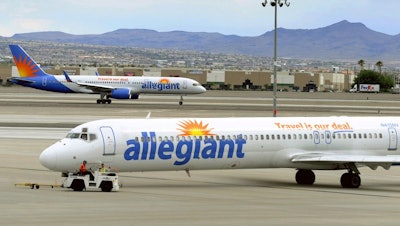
(181, 101)
(351, 179)
(103, 100)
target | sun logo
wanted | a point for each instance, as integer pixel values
(194, 128)
(164, 81)
(26, 67)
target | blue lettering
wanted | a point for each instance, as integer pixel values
(209, 151)
(165, 149)
(222, 145)
(186, 145)
(184, 150)
(145, 146)
(196, 154)
(239, 152)
(160, 86)
(153, 145)
(132, 153)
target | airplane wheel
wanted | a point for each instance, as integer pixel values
(98, 101)
(180, 102)
(108, 101)
(305, 177)
(350, 180)
(103, 101)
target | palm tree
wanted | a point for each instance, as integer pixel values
(361, 63)
(379, 64)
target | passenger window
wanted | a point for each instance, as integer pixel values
(380, 135)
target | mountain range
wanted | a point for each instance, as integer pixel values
(340, 41)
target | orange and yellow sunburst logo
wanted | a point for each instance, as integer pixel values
(194, 128)
(26, 67)
(164, 81)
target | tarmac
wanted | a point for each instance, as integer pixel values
(32, 120)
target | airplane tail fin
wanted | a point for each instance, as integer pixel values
(27, 67)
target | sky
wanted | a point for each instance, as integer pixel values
(229, 17)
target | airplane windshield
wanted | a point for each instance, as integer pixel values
(73, 135)
(82, 136)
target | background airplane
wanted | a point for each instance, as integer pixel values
(302, 143)
(118, 87)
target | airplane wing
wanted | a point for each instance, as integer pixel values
(96, 88)
(93, 87)
(371, 161)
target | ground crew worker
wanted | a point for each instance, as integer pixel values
(82, 168)
(103, 169)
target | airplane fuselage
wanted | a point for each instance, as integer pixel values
(137, 84)
(226, 143)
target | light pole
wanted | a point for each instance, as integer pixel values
(275, 4)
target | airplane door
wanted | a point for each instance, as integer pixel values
(316, 137)
(184, 85)
(392, 139)
(108, 140)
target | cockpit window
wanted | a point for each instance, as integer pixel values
(196, 84)
(92, 136)
(73, 135)
(83, 136)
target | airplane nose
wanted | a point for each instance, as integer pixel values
(203, 90)
(48, 158)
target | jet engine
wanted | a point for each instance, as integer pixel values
(124, 94)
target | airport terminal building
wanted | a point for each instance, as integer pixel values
(220, 79)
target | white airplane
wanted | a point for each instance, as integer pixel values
(118, 87)
(302, 143)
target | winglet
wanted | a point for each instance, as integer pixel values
(66, 76)
(27, 67)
